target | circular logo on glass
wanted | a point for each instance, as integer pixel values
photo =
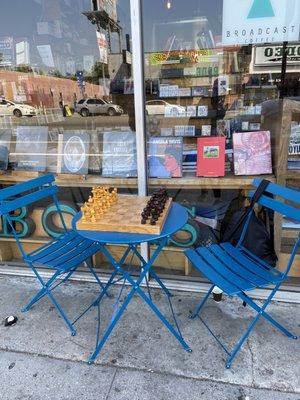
(74, 154)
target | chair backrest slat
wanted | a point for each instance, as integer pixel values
(279, 207)
(277, 190)
(26, 186)
(27, 199)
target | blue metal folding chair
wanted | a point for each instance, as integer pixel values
(236, 270)
(63, 255)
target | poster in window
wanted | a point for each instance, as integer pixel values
(31, 148)
(75, 153)
(119, 154)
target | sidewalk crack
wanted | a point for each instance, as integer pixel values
(111, 384)
(252, 361)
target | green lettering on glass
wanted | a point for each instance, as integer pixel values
(48, 222)
(23, 225)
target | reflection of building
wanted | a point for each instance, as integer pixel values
(41, 90)
(6, 51)
(103, 14)
(22, 53)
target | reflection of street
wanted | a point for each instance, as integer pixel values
(74, 122)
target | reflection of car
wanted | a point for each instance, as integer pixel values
(17, 109)
(156, 107)
(85, 107)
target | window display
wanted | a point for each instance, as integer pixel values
(221, 107)
(228, 81)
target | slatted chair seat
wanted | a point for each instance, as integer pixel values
(232, 269)
(236, 271)
(63, 254)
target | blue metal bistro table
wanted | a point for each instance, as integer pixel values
(176, 219)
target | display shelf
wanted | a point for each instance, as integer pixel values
(279, 121)
(293, 174)
(290, 233)
(186, 182)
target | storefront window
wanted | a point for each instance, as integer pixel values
(66, 106)
(215, 76)
(222, 84)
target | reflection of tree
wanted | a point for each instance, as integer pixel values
(99, 71)
(24, 68)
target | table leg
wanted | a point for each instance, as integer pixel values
(135, 289)
(109, 283)
(152, 273)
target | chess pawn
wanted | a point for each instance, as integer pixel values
(93, 217)
(82, 209)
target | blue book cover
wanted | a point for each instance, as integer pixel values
(165, 157)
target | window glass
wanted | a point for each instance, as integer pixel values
(53, 56)
(215, 76)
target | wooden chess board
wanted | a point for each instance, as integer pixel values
(125, 216)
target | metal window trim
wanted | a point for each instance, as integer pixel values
(139, 102)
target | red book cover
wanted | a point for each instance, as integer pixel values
(211, 156)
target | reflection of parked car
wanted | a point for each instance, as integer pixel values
(17, 109)
(156, 107)
(86, 107)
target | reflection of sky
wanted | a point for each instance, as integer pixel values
(163, 32)
(74, 38)
(19, 19)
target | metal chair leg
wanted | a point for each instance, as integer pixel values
(198, 308)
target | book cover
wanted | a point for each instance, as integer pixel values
(166, 131)
(191, 111)
(223, 127)
(254, 126)
(184, 92)
(31, 148)
(290, 223)
(202, 111)
(119, 154)
(245, 125)
(294, 146)
(184, 130)
(200, 91)
(3, 158)
(75, 152)
(165, 157)
(206, 130)
(211, 156)
(252, 153)
(5, 140)
(173, 111)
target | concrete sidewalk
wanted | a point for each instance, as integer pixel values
(40, 359)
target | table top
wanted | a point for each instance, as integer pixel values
(176, 219)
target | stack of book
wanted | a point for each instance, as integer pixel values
(189, 160)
